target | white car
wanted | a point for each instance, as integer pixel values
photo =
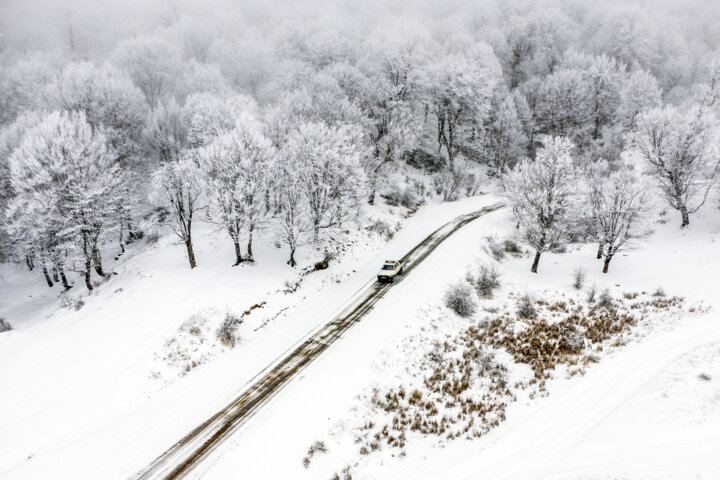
(390, 270)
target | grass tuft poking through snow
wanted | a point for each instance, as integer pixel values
(317, 447)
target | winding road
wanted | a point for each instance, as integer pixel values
(179, 460)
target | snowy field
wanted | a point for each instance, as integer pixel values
(650, 409)
(88, 396)
(110, 404)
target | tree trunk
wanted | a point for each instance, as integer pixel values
(64, 279)
(121, 240)
(292, 262)
(607, 263)
(97, 261)
(600, 250)
(685, 216)
(250, 240)
(316, 230)
(238, 253)
(190, 253)
(29, 262)
(47, 275)
(533, 269)
(88, 268)
(132, 236)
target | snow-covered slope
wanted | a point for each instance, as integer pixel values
(79, 400)
(650, 409)
(82, 401)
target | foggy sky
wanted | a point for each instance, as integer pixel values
(94, 27)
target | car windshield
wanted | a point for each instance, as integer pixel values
(388, 266)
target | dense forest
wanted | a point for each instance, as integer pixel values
(283, 121)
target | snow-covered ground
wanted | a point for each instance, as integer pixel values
(87, 395)
(649, 409)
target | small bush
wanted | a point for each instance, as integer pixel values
(704, 377)
(152, 237)
(487, 281)
(591, 293)
(71, 303)
(382, 228)
(561, 248)
(578, 278)
(226, 332)
(421, 159)
(406, 197)
(511, 247)
(5, 325)
(496, 250)
(605, 300)
(459, 299)
(659, 292)
(526, 307)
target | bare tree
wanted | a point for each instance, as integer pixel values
(680, 150)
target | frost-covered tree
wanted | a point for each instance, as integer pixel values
(237, 165)
(639, 93)
(603, 76)
(292, 217)
(166, 135)
(619, 203)
(114, 105)
(23, 86)
(201, 78)
(179, 185)
(387, 100)
(152, 62)
(326, 161)
(318, 99)
(680, 150)
(626, 33)
(503, 141)
(109, 100)
(458, 92)
(563, 105)
(11, 136)
(542, 192)
(67, 182)
(535, 43)
(206, 116)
